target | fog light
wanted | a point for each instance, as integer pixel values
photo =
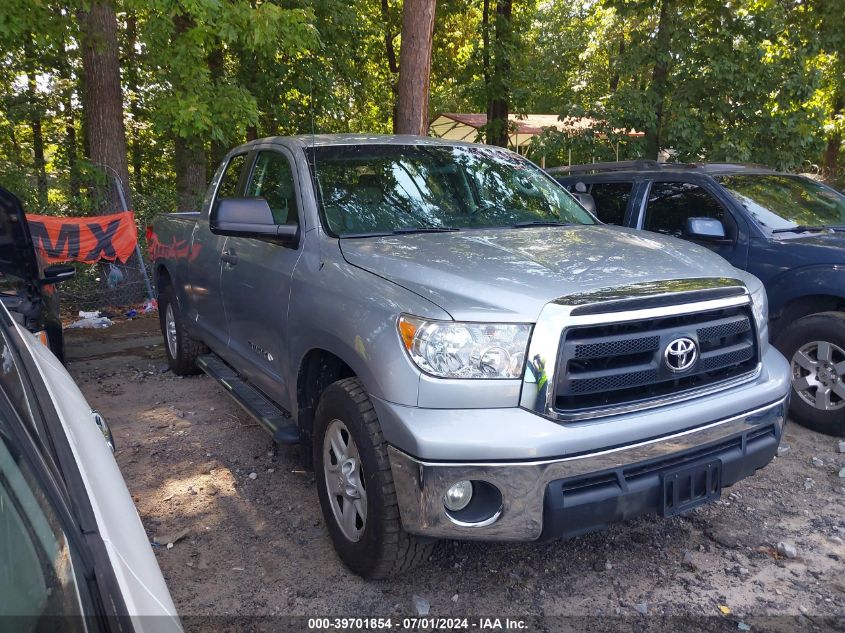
(458, 496)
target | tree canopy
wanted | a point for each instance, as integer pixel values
(718, 80)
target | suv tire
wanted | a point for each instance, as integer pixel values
(815, 349)
(353, 476)
(182, 351)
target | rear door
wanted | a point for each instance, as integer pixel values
(612, 200)
(257, 273)
(669, 202)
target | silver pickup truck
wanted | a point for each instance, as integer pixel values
(462, 350)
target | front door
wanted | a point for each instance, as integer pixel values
(256, 278)
(670, 203)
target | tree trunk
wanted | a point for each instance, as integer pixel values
(190, 173)
(105, 133)
(485, 43)
(659, 79)
(415, 66)
(614, 79)
(132, 62)
(103, 96)
(499, 92)
(34, 110)
(392, 65)
(74, 184)
(834, 143)
(70, 146)
(189, 155)
(216, 70)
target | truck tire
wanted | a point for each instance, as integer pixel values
(355, 486)
(182, 351)
(815, 349)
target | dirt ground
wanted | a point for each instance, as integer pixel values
(258, 545)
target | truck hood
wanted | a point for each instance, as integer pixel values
(510, 274)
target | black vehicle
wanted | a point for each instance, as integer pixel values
(27, 286)
(786, 229)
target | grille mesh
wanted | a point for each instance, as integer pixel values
(725, 360)
(620, 347)
(616, 364)
(613, 381)
(737, 326)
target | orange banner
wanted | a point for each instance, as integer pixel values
(103, 237)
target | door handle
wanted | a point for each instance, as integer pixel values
(230, 257)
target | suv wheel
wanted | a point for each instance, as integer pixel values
(815, 349)
(355, 486)
(182, 351)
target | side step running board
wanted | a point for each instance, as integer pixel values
(268, 414)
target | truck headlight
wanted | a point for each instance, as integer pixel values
(760, 308)
(450, 349)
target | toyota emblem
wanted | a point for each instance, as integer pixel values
(681, 354)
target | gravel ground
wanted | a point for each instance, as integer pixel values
(255, 542)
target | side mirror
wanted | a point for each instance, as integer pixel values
(706, 229)
(249, 217)
(58, 272)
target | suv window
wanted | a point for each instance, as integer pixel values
(228, 187)
(671, 203)
(272, 179)
(611, 200)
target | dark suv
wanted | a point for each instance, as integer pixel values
(27, 284)
(786, 229)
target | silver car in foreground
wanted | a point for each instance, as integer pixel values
(462, 349)
(73, 553)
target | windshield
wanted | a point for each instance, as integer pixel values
(780, 202)
(365, 189)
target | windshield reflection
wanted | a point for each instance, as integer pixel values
(781, 202)
(379, 189)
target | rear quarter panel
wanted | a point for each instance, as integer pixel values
(169, 247)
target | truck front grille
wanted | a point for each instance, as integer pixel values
(617, 364)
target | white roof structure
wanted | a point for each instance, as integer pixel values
(468, 126)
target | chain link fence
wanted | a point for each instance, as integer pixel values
(110, 287)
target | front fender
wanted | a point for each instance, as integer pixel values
(352, 313)
(793, 284)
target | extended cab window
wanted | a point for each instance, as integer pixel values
(671, 203)
(272, 179)
(611, 200)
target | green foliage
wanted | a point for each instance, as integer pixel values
(745, 80)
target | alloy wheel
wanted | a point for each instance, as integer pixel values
(345, 480)
(170, 330)
(818, 375)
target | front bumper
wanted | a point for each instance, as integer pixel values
(583, 492)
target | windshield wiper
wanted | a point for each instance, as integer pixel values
(803, 228)
(424, 229)
(520, 225)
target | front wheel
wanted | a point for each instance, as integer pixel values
(815, 349)
(355, 486)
